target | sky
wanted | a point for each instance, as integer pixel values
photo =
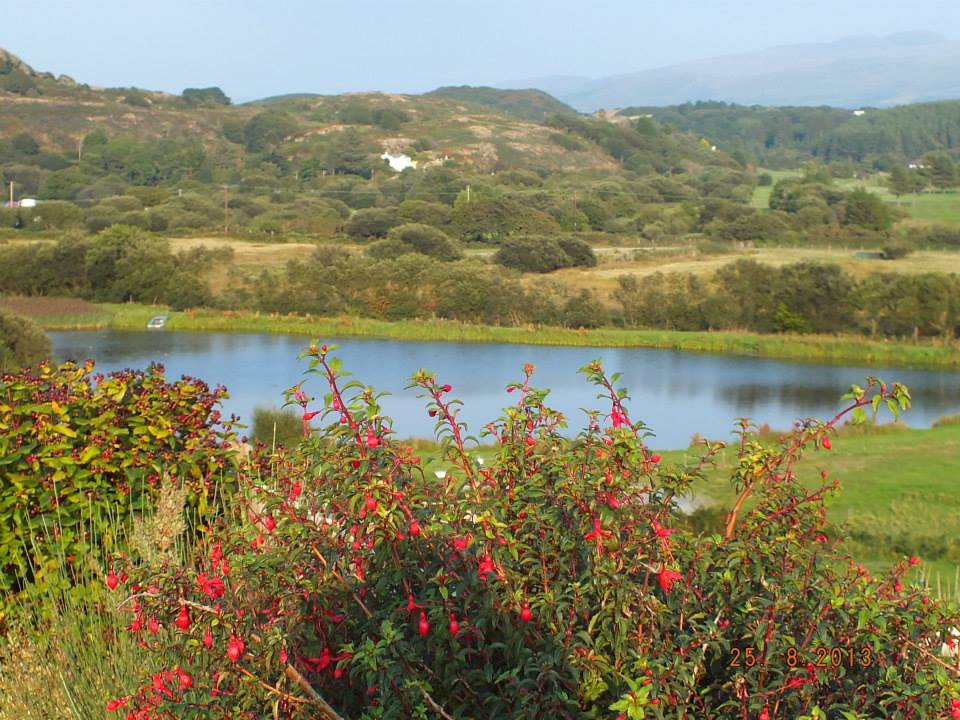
(257, 49)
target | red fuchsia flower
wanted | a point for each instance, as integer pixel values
(655, 458)
(183, 619)
(216, 553)
(412, 605)
(153, 626)
(414, 528)
(295, 491)
(598, 535)
(914, 561)
(112, 581)
(661, 531)
(461, 543)
(308, 416)
(211, 587)
(235, 648)
(764, 715)
(617, 418)
(955, 709)
(423, 627)
(454, 625)
(827, 445)
(667, 577)
(115, 705)
(446, 388)
(185, 680)
(208, 639)
(525, 613)
(485, 567)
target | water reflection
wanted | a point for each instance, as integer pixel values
(677, 394)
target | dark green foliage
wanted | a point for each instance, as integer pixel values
(276, 427)
(371, 222)
(426, 213)
(25, 144)
(867, 210)
(426, 240)
(388, 249)
(493, 219)
(349, 155)
(786, 136)
(579, 252)
(939, 170)
(267, 129)
(532, 254)
(205, 96)
(22, 342)
(18, 82)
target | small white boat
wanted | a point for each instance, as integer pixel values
(157, 322)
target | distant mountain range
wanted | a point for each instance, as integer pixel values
(853, 72)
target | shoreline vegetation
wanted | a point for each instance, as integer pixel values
(810, 348)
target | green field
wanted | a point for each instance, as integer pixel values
(941, 208)
(899, 494)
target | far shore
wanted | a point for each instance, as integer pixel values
(843, 349)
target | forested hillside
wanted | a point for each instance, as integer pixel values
(788, 136)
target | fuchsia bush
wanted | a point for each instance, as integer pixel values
(555, 581)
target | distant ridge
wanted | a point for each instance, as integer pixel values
(526, 103)
(908, 67)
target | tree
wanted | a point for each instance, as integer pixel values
(205, 96)
(867, 210)
(902, 181)
(18, 82)
(22, 342)
(427, 240)
(25, 144)
(267, 129)
(940, 170)
(349, 155)
(371, 222)
(532, 254)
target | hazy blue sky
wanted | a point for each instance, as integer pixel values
(255, 49)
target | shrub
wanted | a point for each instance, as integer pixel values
(579, 252)
(371, 222)
(532, 254)
(274, 427)
(426, 240)
(552, 581)
(22, 342)
(896, 250)
(82, 452)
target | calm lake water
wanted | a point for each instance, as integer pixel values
(677, 394)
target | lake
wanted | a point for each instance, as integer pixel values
(676, 393)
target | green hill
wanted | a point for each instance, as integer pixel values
(529, 104)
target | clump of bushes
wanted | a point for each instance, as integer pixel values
(22, 342)
(544, 254)
(554, 580)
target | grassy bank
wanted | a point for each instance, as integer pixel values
(898, 492)
(847, 349)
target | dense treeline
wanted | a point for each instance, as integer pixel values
(787, 136)
(801, 298)
(395, 279)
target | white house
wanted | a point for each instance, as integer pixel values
(399, 162)
(28, 203)
(859, 113)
